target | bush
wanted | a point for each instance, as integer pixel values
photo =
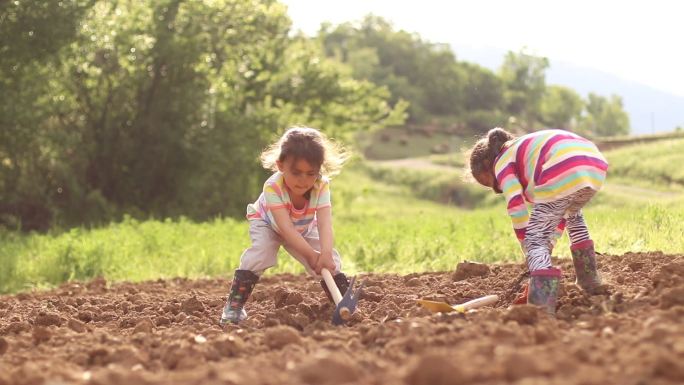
(480, 121)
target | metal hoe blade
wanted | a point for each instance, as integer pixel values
(347, 306)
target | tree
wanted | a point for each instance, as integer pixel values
(483, 89)
(524, 80)
(424, 74)
(560, 107)
(605, 116)
(158, 107)
(32, 108)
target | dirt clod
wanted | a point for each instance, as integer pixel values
(47, 319)
(434, 369)
(229, 346)
(465, 270)
(279, 336)
(41, 334)
(672, 297)
(192, 305)
(336, 371)
(145, 325)
(522, 314)
(76, 325)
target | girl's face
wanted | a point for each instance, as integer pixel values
(487, 178)
(299, 175)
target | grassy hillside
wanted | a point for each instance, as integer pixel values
(655, 165)
(397, 143)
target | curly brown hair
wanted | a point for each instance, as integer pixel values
(308, 144)
(480, 158)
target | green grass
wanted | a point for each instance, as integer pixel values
(130, 250)
(403, 234)
(656, 165)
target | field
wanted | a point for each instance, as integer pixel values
(139, 323)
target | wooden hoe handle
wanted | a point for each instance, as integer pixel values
(332, 286)
(344, 312)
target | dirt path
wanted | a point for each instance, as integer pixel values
(165, 332)
(414, 164)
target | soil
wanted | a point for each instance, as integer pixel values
(166, 331)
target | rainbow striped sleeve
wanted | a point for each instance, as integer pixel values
(323, 195)
(513, 191)
(274, 196)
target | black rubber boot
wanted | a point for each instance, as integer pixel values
(243, 284)
(342, 283)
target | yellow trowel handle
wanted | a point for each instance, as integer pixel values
(476, 303)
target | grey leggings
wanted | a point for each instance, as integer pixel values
(544, 220)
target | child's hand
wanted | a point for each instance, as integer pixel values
(324, 260)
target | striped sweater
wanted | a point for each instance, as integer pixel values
(275, 195)
(544, 166)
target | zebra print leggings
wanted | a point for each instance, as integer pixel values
(544, 220)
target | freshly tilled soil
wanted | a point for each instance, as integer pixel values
(166, 331)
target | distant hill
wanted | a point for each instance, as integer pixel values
(650, 110)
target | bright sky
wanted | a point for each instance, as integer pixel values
(642, 41)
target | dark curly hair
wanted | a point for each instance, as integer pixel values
(481, 156)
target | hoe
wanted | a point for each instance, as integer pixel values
(345, 305)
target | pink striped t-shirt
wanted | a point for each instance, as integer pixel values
(276, 195)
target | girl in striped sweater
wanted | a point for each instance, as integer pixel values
(294, 211)
(555, 173)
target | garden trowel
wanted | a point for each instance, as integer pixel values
(443, 307)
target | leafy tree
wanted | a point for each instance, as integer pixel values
(158, 107)
(604, 116)
(524, 80)
(561, 107)
(32, 108)
(483, 89)
(424, 74)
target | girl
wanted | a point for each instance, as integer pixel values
(293, 210)
(556, 172)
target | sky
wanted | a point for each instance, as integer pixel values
(640, 41)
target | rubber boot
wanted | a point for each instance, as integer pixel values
(543, 288)
(584, 259)
(243, 284)
(342, 283)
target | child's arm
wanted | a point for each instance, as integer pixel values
(515, 201)
(293, 238)
(325, 234)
